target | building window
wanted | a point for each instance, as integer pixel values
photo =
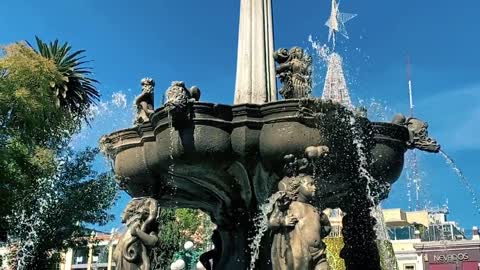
(409, 267)
(80, 255)
(100, 254)
(401, 232)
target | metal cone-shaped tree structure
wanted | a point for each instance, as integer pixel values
(335, 87)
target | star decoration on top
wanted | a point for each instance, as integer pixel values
(337, 20)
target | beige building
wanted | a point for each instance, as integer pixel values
(96, 256)
(411, 232)
(427, 240)
(404, 236)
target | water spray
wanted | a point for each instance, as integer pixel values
(409, 80)
(414, 160)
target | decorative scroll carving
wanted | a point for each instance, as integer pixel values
(144, 102)
(294, 71)
(133, 249)
(418, 130)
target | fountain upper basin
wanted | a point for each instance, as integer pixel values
(212, 159)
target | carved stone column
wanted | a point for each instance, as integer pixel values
(255, 81)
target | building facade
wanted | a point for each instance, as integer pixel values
(96, 256)
(450, 255)
(427, 240)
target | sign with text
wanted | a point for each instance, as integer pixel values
(447, 258)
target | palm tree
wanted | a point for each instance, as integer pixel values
(76, 92)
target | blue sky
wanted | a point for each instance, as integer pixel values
(195, 41)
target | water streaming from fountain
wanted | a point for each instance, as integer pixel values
(409, 183)
(417, 193)
(27, 225)
(388, 259)
(261, 226)
(25, 238)
(463, 180)
(335, 81)
(171, 167)
(377, 110)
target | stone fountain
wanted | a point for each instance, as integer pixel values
(227, 160)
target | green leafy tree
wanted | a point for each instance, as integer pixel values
(31, 126)
(177, 227)
(195, 226)
(47, 192)
(27, 103)
(52, 218)
(170, 239)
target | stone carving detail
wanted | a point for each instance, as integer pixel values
(297, 223)
(179, 99)
(133, 249)
(294, 71)
(144, 102)
(418, 131)
(105, 145)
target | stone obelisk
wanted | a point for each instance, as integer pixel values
(255, 82)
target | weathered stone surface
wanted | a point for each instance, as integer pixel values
(297, 223)
(133, 249)
(255, 82)
(418, 131)
(144, 102)
(225, 160)
(295, 72)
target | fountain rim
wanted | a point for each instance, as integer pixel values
(234, 116)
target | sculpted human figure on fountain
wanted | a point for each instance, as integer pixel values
(133, 249)
(294, 71)
(144, 102)
(298, 227)
(179, 99)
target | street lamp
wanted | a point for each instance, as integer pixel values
(178, 265)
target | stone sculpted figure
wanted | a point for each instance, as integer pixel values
(294, 71)
(418, 131)
(178, 95)
(179, 99)
(144, 102)
(298, 227)
(133, 249)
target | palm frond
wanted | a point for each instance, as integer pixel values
(77, 92)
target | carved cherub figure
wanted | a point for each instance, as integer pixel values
(294, 71)
(133, 249)
(144, 102)
(298, 227)
(178, 95)
(179, 100)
